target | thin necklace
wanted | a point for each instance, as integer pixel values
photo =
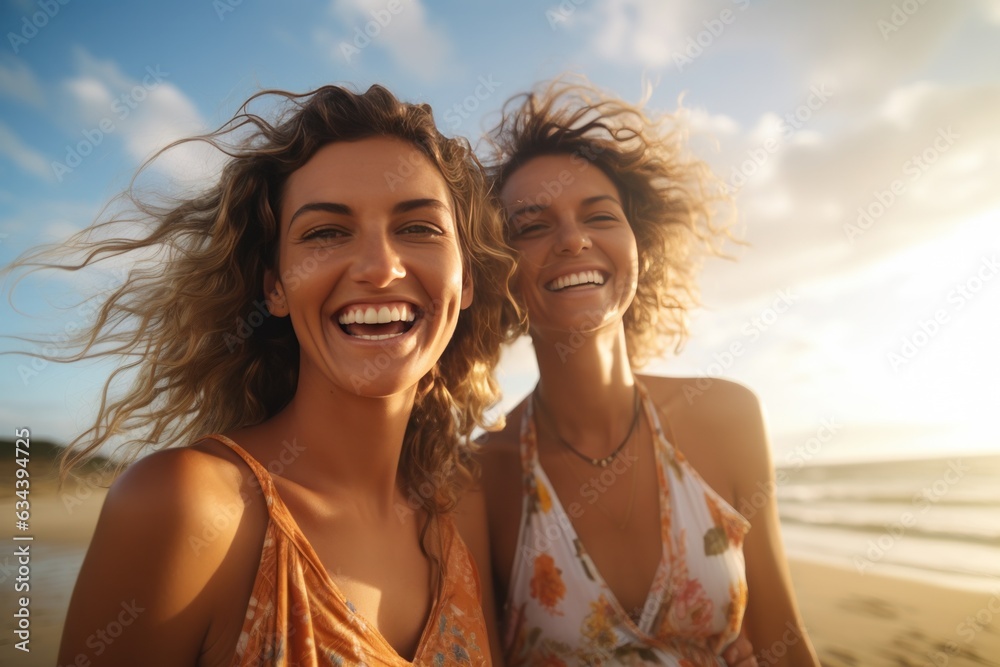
(623, 524)
(601, 462)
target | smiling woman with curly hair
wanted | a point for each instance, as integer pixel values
(628, 482)
(297, 507)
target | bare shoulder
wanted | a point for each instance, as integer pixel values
(168, 525)
(725, 417)
(178, 485)
(704, 397)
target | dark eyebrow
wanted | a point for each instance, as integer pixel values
(593, 200)
(329, 207)
(535, 208)
(344, 209)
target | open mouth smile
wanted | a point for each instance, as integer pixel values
(378, 321)
(576, 280)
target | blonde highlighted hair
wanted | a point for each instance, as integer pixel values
(184, 324)
(672, 200)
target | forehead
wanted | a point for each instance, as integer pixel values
(555, 177)
(365, 172)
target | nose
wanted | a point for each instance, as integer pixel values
(572, 238)
(377, 262)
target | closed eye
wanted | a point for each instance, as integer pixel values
(527, 228)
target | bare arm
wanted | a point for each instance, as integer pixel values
(145, 593)
(470, 518)
(773, 621)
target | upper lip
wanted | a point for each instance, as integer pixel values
(571, 271)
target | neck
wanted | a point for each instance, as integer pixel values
(586, 387)
(347, 446)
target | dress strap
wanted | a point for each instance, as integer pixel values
(653, 415)
(529, 439)
(263, 477)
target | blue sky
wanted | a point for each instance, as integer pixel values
(860, 137)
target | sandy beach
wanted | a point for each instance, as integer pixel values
(876, 620)
(853, 619)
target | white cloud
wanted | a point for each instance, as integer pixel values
(18, 81)
(25, 157)
(146, 113)
(412, 42)
(645, 32)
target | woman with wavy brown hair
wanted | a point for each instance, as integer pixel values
(625, 547)
(319, 327)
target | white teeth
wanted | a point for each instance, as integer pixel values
(579, 278)
(371, 315)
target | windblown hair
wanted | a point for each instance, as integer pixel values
(671, 199)
(191, 325)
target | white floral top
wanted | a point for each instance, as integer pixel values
(560, 612)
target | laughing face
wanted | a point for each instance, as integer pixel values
(577, 257)
(369, 266)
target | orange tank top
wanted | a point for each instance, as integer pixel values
(298, 616)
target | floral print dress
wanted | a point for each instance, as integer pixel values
(561, 613)
(298, 617)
